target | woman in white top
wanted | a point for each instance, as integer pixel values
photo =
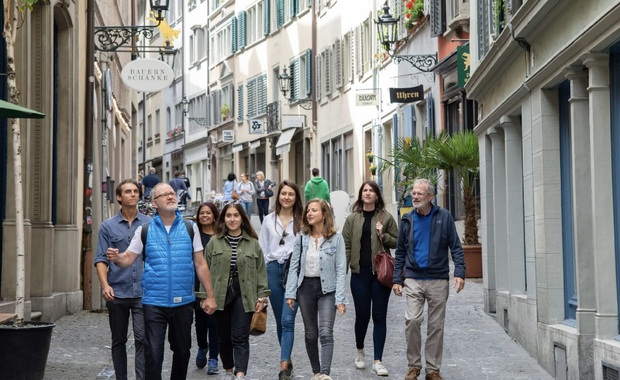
(246, 191)
(277, 237)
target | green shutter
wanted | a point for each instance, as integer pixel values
(295, 90)
(280, 13)
(266, 18)
(240, 102)
(242, 29)
(233, 32)
(261, 94)
(293, 9)
(251, 97)
(308, 72)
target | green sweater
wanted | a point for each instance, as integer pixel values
(352, 233)
(317, 188)
(250, 265)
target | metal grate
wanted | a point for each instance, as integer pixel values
(561, 364)
(610, 371)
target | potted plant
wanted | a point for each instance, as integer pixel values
(225, 111)
(414, 12)
(458, 154)
(370, 156)
(373, 169)
(25, 344)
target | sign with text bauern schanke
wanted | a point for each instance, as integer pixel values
(147, 75)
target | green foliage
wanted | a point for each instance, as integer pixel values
(27, 5)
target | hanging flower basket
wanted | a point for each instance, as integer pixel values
(370, 157)
(373, 169)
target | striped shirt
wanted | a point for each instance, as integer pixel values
(234, 243)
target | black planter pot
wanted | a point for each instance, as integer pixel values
(23, 350)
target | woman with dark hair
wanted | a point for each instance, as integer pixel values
(206, 332)
(368, 227)
(239, 281)
(277, 237)
(316, 280)
(229, 186)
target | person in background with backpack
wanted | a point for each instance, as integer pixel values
(317, 187)
(246, 193)
(366, 230)
(168, 284)
(178, 185)
(264, 191)
(277, 237)
(229, 186)
(239, 283)
(118, 284)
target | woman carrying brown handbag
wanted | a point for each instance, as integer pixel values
(367, 222)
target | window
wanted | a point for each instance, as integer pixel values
(222, 43)
(197, 44)
(168, 119)
(192, 50)
(363, 47)
(255, 27)
(348, 58)
(197, 108)
(219, 98)
(216, 4)
(178, 68)
(257, 96)
(301, 71)
(337, 58)
(157, 130)
(240, 102)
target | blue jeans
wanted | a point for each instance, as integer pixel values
(318, 311)
(118, 316)
(247, 206)
(178, 320)
(369, 294)
(285, 317)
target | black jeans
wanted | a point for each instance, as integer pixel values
(263, 208)
(370, 298)
(118, 316)
(233, 332)
(178, 320)
(206, 331)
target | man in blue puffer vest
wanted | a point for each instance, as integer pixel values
(170, 259)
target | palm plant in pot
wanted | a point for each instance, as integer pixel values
(458, 154)
(25, 345)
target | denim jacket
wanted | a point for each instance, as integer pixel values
(333, 264)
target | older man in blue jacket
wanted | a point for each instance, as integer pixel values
(425, 237)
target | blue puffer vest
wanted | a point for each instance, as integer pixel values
(168, 279)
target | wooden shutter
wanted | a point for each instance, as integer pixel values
(233, 32)
(338, 64)
(438, 18)
(308, 72)
(243, 18)
(251, 97)
(266, 17)
(240, 102)
(261, 94)
(279, 13)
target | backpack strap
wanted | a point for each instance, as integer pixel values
(145, 227)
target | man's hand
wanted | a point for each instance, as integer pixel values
(208, 305)
(458, 284)
(112, 255)
(108, 293)
(397, 289)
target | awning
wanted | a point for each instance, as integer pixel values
(255, 144)
(284, 142)
(237, 148)
(10, 110)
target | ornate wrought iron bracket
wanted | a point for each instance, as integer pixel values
(110, 38)
(422, 62)
(303, 103)
(202, 121)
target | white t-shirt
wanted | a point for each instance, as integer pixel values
(136, 242)
(313, 266)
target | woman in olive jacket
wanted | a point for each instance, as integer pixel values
(239, 281)
(369, 220)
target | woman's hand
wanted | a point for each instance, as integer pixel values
(342, 308)
(291, 303)
(261, 304)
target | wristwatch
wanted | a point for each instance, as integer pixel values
(264, 300)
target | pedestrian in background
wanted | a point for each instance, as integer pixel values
(120, 287)
(149, 182)
(140, 192)
(246, 193)
(317, 187)
(185, 179)
(425, 235)
(171, 256)
(239, 283)
(206, 331)
(367, 223)
(264, 190)
(178, 185)
(316, 280)
(229, 186)
(277, 238)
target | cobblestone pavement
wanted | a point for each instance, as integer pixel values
(475, 347)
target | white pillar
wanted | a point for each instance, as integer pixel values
(486, 223)
(499, 208)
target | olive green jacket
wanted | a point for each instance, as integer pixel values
(352, 233)
(250, 265)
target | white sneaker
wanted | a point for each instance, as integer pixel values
(317, 376)
(360, 362)
(325, 377)
(379, 369)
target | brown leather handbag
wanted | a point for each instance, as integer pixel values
(258, 326)
(384, 263)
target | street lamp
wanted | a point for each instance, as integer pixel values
(111, 38)
(387, 29)
(285, 87)
(202, 121)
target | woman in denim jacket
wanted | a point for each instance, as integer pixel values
(316, 280)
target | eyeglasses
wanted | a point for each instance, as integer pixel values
(166, 195)
(418, 194)
(284, 234)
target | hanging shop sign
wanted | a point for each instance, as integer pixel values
(462, 65)
(147, 75)
(257, 126)
(228, 136)
(406, 95)
(367, 98)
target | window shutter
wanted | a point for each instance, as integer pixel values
(217, 104)
(338, 64)
(294, 9)
(261, 91)
(358, 51)
(242, 29)
(266, 18)
(328, 72)
(438, 18)
(233, 32)
(279, 13)
(252, 98)
(211, 109)
(240, 102)
(319, 72)
(295, 90)
(308, 72)
(408, 130)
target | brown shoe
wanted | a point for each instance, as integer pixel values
(412, 373)
(434, 376)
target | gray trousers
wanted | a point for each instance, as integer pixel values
(435, 293)
(318, 311)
